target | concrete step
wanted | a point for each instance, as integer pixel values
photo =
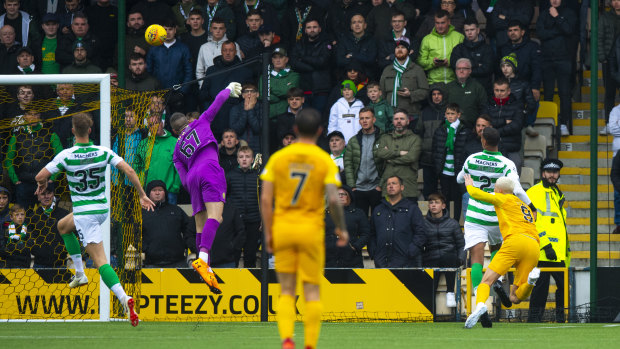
(584, 146)
(585, 229)
(588, 73)
(582, 131)
(585, 195)
(585, 212)
(581, 113)
(586, 138)
(578, 179)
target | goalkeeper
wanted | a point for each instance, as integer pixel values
(520, 247)
(196, 159)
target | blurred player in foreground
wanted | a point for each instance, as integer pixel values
(85, 166)
(197, 161)
(298, 176)
(520, 247)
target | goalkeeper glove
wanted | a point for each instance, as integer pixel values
(235, 89)
(550, 252)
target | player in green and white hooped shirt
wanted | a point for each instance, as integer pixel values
(85, 166)
(481, 225)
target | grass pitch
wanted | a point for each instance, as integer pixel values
(116, 335)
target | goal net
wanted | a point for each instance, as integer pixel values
(35, 124)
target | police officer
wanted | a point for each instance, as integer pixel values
(555, 251)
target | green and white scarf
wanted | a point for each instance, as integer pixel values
(400, 69)
(448, 166)
(280, 74)
(15, 235)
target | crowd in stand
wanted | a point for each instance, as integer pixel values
(402, 85)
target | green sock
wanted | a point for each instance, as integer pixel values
(476, 274)
(108, 275)
(72, 244)
(493, 254)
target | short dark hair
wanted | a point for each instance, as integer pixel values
(441, 13)
(501, 80)
(230, 130)
(294, 92)
(373, 84)
(79, 14)
(400, 180)
(308, 122)
(134, 10)
(312, 19)
(248, 85)
(367, 110)
(484, 117)
(471, 20)
(396, 12)
(197, 12)
(168, 23)
(491, 136)
(437, 196)
(135, 56)
(516, 23)
(454, 107)
(400, 110)
(254, 12)
(218, 20)
(229, 42)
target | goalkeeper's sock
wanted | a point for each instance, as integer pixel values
(312, 323)
(493, 254)
(111, 280)
(73, 247)
(476, 275)
(483, 293)
(524, 291)
(286, 316)
(208, 234)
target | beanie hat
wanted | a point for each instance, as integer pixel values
(510, 59)
(348, 84)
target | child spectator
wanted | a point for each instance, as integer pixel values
(285, 121)
(13, 243)
(521, 90)
(383, 111)
(5, 196)
(344, 114)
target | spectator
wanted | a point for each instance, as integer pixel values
(336, 151)
(25, 95)
(404, 82)
(30, 148)
(504, 14)
(8, 49)
(266, 10)
(362, 167)
(431, 118)
(250, 42)
(182, 13)
(5, 197)
(138, 78)
(380, 17)
(521, 90)
(212, 48)
(555, 248)
(213, 85)
(171, 64)
(400, 149)
(555, 28)
(160, 166)
(383, 111)
(358, 45)
(167, 231)
(285, 121)
(385, 54)
(29, 30)
(467, 93)
(66, 14)
(507, 117)
(80, 30)
(242, 192)
(14, 253)
(608, 32)
(281, 79)
(312, 58)
(196, 37)
(126, 143)
(614, 130)
(448, 146)
(66, 104)
(296, 14)
(397, 235)
(103, 17)
(456, 18)
(44, 50)
(344, 114)
(339, 15)
(134, 37)
(355, 73)
(436, 48)
(220, 9)
(153, 11)
(479, 53)
(267, 39)
(246, 118)
(25, 62)
(288, 139)
(358, 227)
(528, 56)
(45, 242)
(474, 143)
(228, 150)
(81, 64)
(229, 239)
(444, 244)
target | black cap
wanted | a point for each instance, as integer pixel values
(265, 29)
(24, 49)
(551, 165)
(334, 134)
(80, 43)
(50, 17)
(349, 191)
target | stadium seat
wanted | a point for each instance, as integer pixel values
(527, 177)
(535, 150)
(547, 120)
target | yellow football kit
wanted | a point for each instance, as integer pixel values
(516, 223)
(299, 173)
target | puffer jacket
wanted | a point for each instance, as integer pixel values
(510, 133)
(440, 46)
(557, 34)
(363, 50)
(529, 58)
(349, 126)
(349, 256)
(521, 10)
(242, 192)
(353, 156)
(397, 235)
(607, 35)
(432, 116)
(312, 60)
(443, 237)
(439, 147)
(522, 92)
(482, 60)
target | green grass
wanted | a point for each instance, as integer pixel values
(117, 335)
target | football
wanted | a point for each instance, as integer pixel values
(155, 35)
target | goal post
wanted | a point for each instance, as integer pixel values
(103, 80)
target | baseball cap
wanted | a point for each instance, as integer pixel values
(279, 50)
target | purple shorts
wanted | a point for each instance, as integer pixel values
(207, 183)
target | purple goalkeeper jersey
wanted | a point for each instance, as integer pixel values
(197, 143)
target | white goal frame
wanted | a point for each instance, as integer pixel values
(103, 80)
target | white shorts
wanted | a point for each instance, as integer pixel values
(89, 227)
(477, 233)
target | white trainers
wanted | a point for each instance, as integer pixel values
(604, 131)
(128, 307)
(472, 320)
(533, 276)
(564, 131)
(450, 300)
(77, 281)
